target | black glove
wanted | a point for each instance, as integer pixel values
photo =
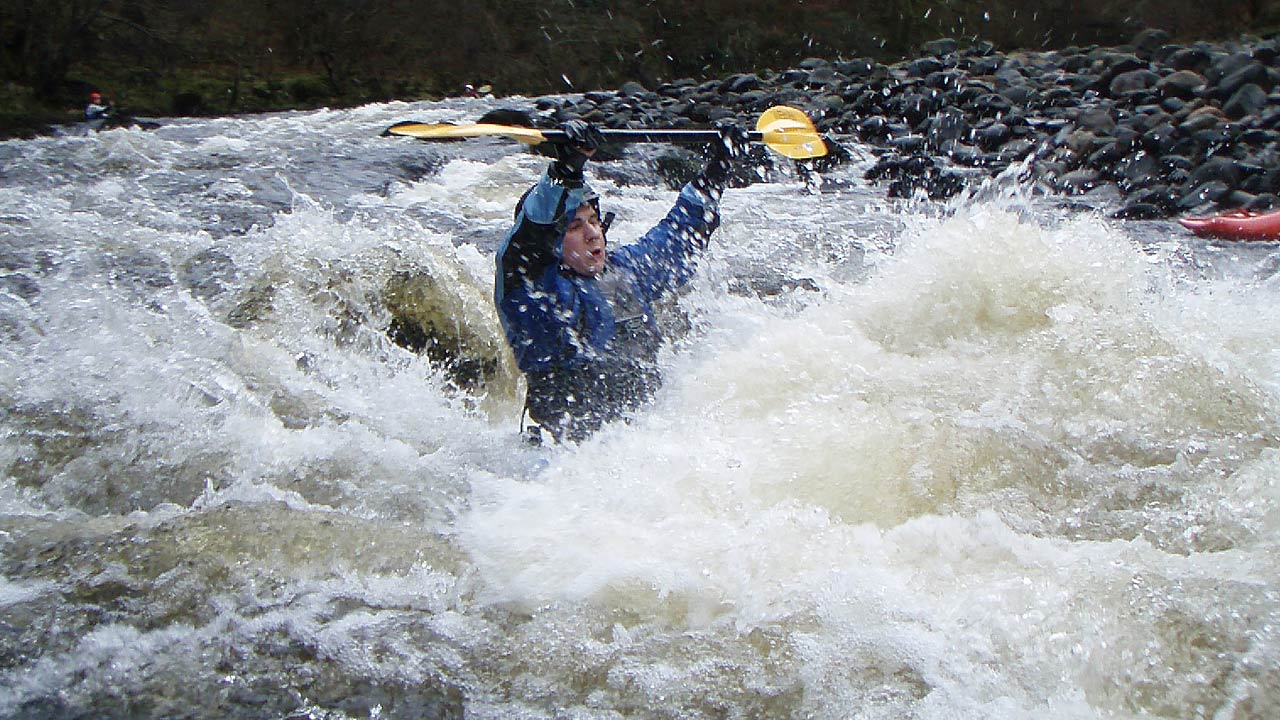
(723, 155)
(580, 139)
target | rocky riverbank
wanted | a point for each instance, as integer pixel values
(1176, 128)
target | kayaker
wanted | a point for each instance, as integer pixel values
(580, 316)
(96, 109)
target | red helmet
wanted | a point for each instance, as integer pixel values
(95, 96)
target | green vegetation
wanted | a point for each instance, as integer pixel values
(162, 57)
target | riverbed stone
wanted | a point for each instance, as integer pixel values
(1264, 202)
(632, 89)
(1080, 181)
(1196, 59)
(1248, 100)
(1149, 42)
(1149, 118)
(1184, 84)
(924, 66)
(1132, 81)
(940, 47)
(743, 82)
(1208, 192)
(1096, 120)
(1202, 119)
(1254, 73)
(992, 135)
(1226, 65)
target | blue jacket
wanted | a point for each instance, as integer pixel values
(588, 346)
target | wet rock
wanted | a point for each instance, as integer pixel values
(1019, 94)
(743, 82)
(1139, 169)
(1116, 64)
(924, 66)
(992, 135)
(1160, 140)
(1078, 182)
(1158, 194)
(1195, 59)
(1252, 74)
(948, 126)
(1157, 117)
(1201, 119)
(908, 143)
(1236, 199)
(1184, 84)
(1107, 155)
(1135, 210)
(1149, 43)
(208, 273)
(1227, 65)
(874, 128)
(632, 89)
(947, 81)
(20, 284)
(1096, 120)
(1209, 192)
(1260, 137)
(1248, 100)
(940, 47)
(821, 77)
(1264, 203)
(856, 68)
(770, 284)
(1223, 169)
(969, 156)
(425, 305)
(981, 48)
(678, 88)
(1132, 81)
(991, 105)
(140, 269)
(1080, 142)
(1213, 140)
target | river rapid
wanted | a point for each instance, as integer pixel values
(994, 458)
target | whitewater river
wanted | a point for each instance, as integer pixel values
(996, 458)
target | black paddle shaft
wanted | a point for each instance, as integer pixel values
(681, 137)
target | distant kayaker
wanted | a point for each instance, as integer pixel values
(96, 109)
(580, 317)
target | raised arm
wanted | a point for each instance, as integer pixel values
(665, 258)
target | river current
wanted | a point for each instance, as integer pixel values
(998, 457)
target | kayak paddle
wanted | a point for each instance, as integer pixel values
(785, 130)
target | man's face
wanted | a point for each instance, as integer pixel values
(584, 242)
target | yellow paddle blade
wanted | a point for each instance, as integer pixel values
(444, 131)
(789, 132)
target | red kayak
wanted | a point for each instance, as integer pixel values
(1237, 225)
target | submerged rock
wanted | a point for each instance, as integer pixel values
(456, 331)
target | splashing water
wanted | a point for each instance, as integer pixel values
(996, 459)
